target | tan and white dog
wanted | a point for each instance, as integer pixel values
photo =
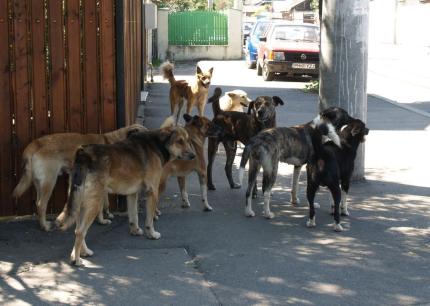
(45, 158)
(234, 101)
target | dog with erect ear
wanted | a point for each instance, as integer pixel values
(332, 166)
(45, 158)
(126, 167)
(195, 93)
(241, 127)
(198, 128)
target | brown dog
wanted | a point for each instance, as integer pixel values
(195, 93)
(241, 127)
(198, 129)
(126, 167)
(46, 157)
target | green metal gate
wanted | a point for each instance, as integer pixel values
(195, 28)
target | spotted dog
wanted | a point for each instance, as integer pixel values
(331, 164)
(241, 127)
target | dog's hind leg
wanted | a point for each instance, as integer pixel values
(230, 149)
(336, 194)
(295, 185)
(344, 196)
(86, 217)
(105, 208)
(44, 187)
(133, 215)
(311, 189)
(212, 149)
(254, 168)
(204, 189)
(269, 177)
(184, 193)
(151, 204)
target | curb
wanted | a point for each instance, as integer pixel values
(406, 107)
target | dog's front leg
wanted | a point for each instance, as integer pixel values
(184, 193)
(151, 205)
(295, 185)
(133, 215)
(212, 149)
(336, 194)
(204, 189)
(230, 149)
(311, 189)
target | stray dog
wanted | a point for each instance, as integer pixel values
(241, 127)
(45, 158)
(198, 129)
(332, 164)
(126, 167)
(291, 145)
(232, 101)
(195, 93)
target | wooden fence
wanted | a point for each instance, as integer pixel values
(57, 74)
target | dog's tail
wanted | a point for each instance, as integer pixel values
(167, 70)
(79, 172)
(244, 160)
(319, 123)
(215, 101)
(27, 172)
(169, 122)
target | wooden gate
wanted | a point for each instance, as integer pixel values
(57, 74)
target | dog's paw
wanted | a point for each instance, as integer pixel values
(109, 215)
(185, 204)
(235, 186)
(47, 226)
(311, 222)
(268, 215)
(77, 263)
(337, 227)
(151, 234)
(157, 212)
(249, 213)
(211, 187)
(136, 231)
(344, 212)
(104, 221)
(207, 208)
(87, 253)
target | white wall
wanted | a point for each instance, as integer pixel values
(227, 52)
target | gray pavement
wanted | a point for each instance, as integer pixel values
(224, 258)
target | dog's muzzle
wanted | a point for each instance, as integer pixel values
(187, 156)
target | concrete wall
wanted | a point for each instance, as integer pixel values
(227, 52)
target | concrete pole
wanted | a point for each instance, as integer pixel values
(343, 62)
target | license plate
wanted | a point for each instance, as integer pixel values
(303, 66)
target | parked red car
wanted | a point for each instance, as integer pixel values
(289, 48)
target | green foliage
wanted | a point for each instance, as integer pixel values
(312, 87)
(182, 5)
(314, 5)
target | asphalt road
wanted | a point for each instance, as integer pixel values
(224, 258)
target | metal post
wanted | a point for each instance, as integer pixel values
(343, 64)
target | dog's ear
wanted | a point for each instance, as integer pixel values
(211, 70)
(231, 94)
(250, 107)
(187, 118)
(355, 130)
(196, 120)
(217, 93)
(132, 132)
(199, 71)
(277, 100)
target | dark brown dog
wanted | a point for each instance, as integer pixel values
(241, 127)
(195, 93)
(126, 167)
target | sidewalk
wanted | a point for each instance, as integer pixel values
(223, 258)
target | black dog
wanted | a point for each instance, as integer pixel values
(241, 127)
(331, 164)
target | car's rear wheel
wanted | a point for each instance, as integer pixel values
(259, 69)
(267, 75)
(250, 64)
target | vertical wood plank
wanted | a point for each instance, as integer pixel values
(40, 101)
(21, 90)
(6, 205)
(57, 69)
(74, 67)
(91, 65)
(108, 64)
